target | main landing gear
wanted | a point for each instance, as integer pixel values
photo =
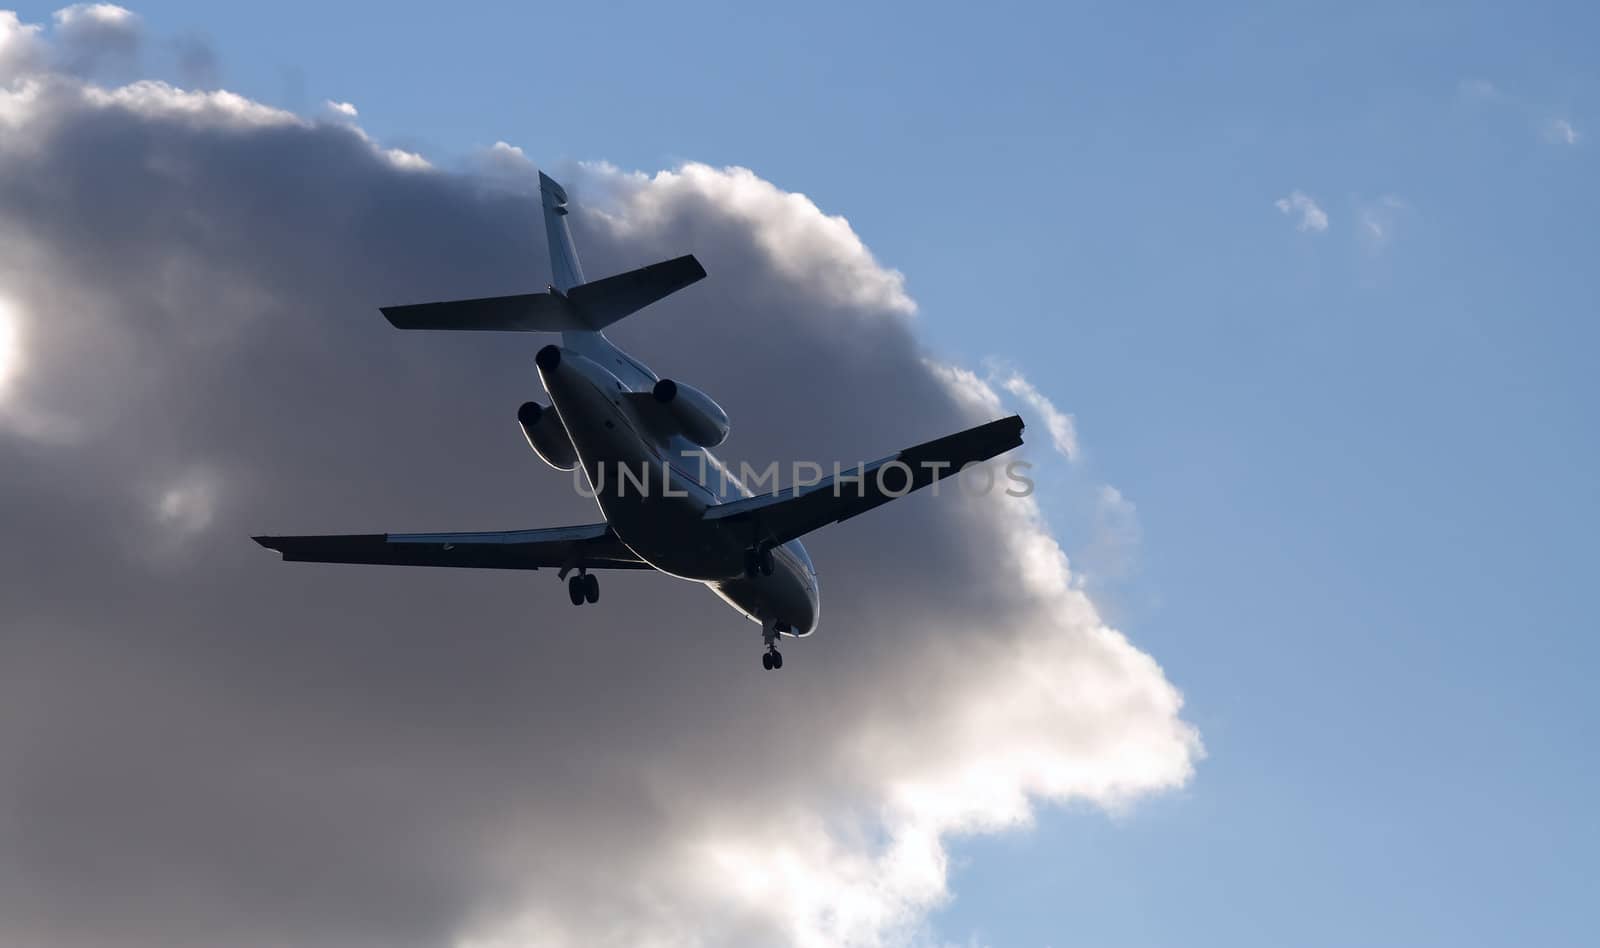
(582, 588)
(773, 659)
(759, 562)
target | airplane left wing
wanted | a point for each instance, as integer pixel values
(796, 511)
(591, 546)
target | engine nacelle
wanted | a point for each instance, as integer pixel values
(700, 419)
(547, 436)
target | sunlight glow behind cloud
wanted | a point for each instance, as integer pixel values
(10, 345)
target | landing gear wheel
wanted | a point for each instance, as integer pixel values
(575, 590)
(770, 630)
(591, 587)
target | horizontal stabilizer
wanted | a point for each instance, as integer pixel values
(528, 312)
(586, 308)
(603, 302)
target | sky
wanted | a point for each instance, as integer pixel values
(1307, 284)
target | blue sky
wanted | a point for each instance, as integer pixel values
(1362, 456)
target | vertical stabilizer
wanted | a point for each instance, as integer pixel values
(564, 268)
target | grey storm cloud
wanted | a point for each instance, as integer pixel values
(201, 745)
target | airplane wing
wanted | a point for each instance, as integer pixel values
(591, 546)
(794, 512)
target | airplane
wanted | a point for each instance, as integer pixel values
(671, 507)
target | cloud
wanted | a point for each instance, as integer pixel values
(346, 109)
(1561, 132)
(975, 394)
(1555, 129)
(1114, 544)
(188, 504)
(1481, 90)
(1063, 431)
(1312, 217)
(10, 346)
(90, 37)
(20, 47)
(1380, 220)
(802, 242)
(406, 160)
(286, 754)
(153, 99)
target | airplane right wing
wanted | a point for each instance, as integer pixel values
(590, 546)
(794, 512)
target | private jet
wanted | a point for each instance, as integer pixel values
(643, 443)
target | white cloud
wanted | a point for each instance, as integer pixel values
(407, 160)
(88, 37)
(805, 244)
(98, 14)
(1380, 220)
(346, 109)
(155, 99)
(508, 150)
(1113, 548)
(1312, 217)
(1063, 431)
(965, 385)
(1555, 129)
(20, 48)
(1561, 132)
(1480, 90)
(507, 166)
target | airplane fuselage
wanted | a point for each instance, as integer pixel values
(654, 490)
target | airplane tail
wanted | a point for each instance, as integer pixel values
(571, 305)
(564, 267)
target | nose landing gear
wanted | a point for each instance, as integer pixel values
(772, 659)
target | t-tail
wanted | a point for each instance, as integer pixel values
(566, 272)
(570, 305)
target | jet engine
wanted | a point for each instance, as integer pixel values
(547, 436)
(700, 419)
